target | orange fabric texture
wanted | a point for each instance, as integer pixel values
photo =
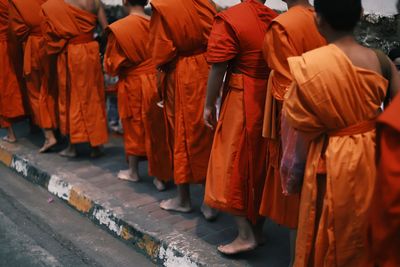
(81, 100)
(128, 57)
(179, 31)
(385, 209)
(236, 170)
(11, 105)
(290, 34)
(37, 68)
(324, 98)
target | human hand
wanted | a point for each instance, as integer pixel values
(209, 117)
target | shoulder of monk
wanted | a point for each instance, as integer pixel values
(293, 18)
(235, 14)
(120, 24)
(160, 3)
(310, 64)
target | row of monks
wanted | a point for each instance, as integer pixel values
(220, 99)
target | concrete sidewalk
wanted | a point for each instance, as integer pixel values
(130, 211)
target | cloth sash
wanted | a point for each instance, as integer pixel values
(28, 49)
(236, 81)
(124, 101)
(358, 128)
(192, 53)
(82, 39)
(143, 68)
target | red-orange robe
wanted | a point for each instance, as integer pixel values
(11, 105)
(179, 31)
(68, 31)
(128, 56)
(337, 102)
(37, 68)
(385, 209)
(290, 34)
(236, 171)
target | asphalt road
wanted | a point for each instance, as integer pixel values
(34, 232)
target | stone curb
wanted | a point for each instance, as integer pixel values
(171, 251)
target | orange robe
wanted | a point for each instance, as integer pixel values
(128, 56)
(290, 34)
(11, 105)
(236, 171)
(338, 102)
(38, 66)
(68, 31)
(385, 209)
(179, 31)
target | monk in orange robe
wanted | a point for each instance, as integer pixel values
(11, 105)
(179, 31)
(333, 104)
(290, 34)
(68, 29)
(385, 209)
(128, 57)
(40, 80)
(236, 171)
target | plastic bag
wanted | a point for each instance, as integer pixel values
(295, 149)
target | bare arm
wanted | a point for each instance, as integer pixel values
(215, 80)
(395, 82)
(101, 14)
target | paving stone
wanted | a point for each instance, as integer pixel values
(131, 210)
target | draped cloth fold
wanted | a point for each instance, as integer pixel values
(290, 34)
(11, 105)
(385, 209)
(81, 98)
(38, 67)
(236, 170)
(179, 31)
(323, 99)
(129, 57)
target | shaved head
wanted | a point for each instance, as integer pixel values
(341, 15)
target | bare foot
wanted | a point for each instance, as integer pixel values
(9, 139)
(239, 245)
(174, 204)
(127, 175)
(160, 185)
(69, 152)
(48, 144)
(209, 213)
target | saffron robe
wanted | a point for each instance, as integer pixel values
(128, 56)
(236, 171)
(38, 67)
(339, 100)
(11, 105)
(290, 34)
(179, 31)
(68, 31)
(385, 209)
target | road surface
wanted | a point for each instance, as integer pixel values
(38, 230)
